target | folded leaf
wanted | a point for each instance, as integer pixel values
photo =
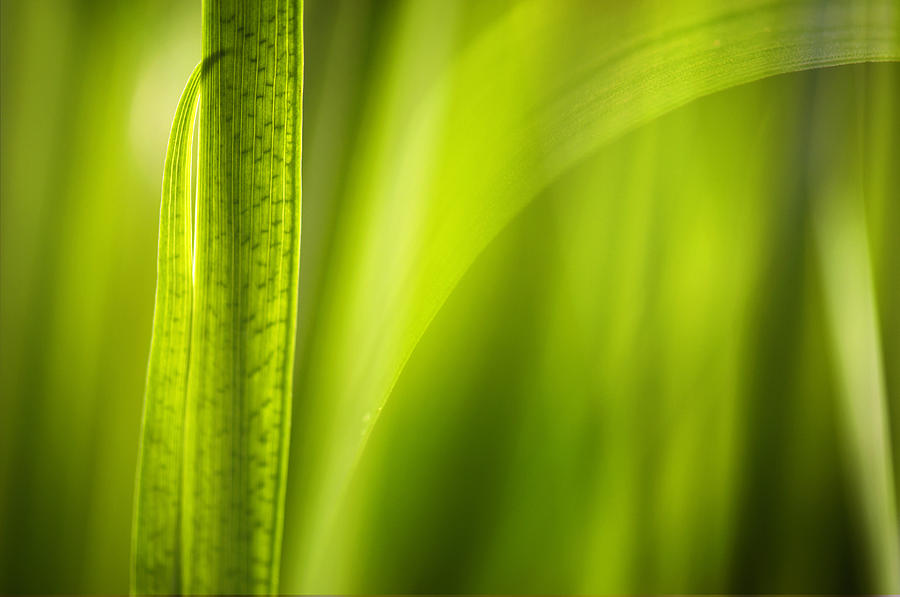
(211, 485)
(157, 523)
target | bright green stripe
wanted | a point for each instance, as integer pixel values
(156, 540)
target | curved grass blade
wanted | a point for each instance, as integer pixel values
(156, 532)
(505, 139)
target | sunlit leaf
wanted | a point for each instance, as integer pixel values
(157, 526)
(217, 425)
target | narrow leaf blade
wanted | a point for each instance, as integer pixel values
(156, 533)
(237, 420)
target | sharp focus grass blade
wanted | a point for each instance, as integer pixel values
(209, 516)
(248, 244)
(157, 525)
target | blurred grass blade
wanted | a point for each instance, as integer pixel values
(843, 251)
(156, 541)
(211, 484)
(504, 139)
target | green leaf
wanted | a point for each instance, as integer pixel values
(157, 522)
(499, 124)
(212, 478)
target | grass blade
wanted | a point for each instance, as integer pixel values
(248, 244)
(156, 531)
(211, 484)
(845, 260)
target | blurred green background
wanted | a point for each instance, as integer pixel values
(677, 370)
